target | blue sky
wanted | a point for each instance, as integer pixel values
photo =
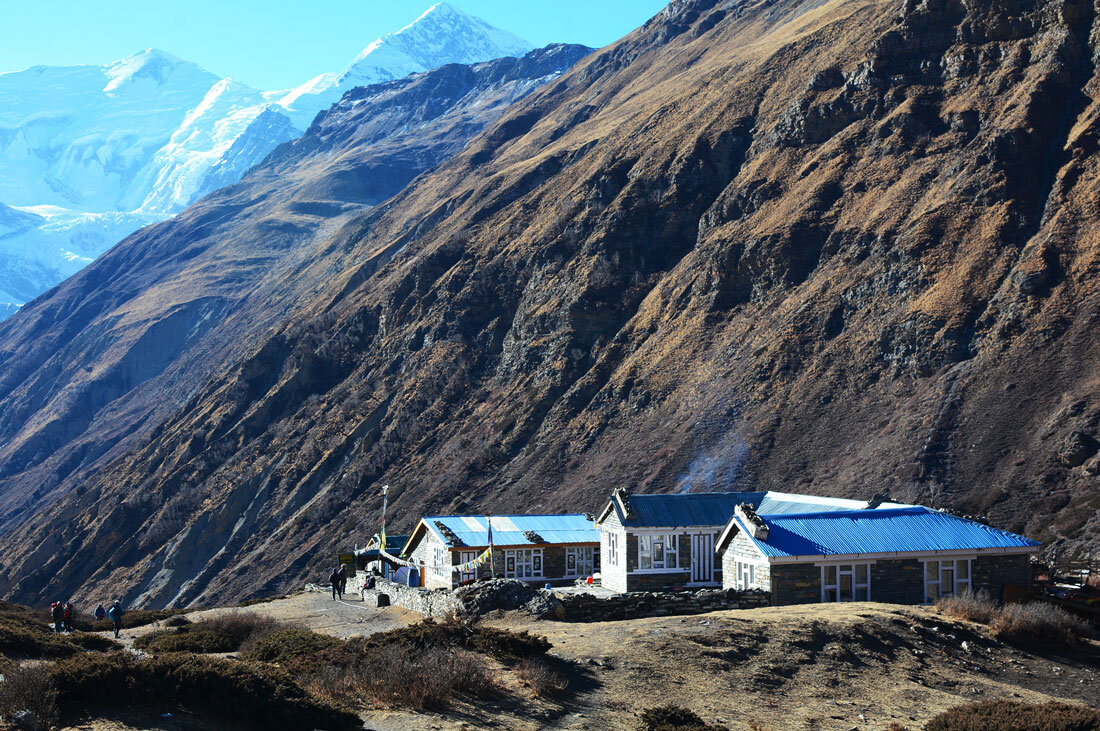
(274, 44)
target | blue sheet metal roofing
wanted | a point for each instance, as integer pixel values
(895, 530)
(510, 530)
(715, 508)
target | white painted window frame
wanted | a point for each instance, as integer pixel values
(439, 568)
(744, 574)
(583, 556)
(825, 587)
(612, 549)
(527, 558)
(670, 543)
(959, 585)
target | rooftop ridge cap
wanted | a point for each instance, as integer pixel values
(861, 511)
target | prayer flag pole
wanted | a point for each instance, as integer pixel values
(492, 559)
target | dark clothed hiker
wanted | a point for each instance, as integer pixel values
(100, 613)
(343, 580)
(334, 580)
(57, 613)
(115, 615)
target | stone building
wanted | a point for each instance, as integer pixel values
(898, 554)
(656, 542)
(554, 549)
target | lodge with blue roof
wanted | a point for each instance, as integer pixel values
(454, 549)
(803, 548)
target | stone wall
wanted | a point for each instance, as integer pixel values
(740, 548)
(613, 576)
(592, 608)
(429, 602)
(992, 572)
(797, 583)
(897, 581)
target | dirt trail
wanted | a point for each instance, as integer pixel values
(343, 618)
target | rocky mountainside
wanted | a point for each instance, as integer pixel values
(831, 247)
(96, 152)
(112, 351)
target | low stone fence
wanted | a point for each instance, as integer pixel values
(500, 594)
(635, 605)
(429, 602)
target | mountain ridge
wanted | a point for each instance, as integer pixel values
(134, 141)
(788, 245)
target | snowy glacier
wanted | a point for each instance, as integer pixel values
(89, 154)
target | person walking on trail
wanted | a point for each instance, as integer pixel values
(115, 615)
(343, 580)
(334, 579)
(100, 613)
(67, 617)
(57, 614)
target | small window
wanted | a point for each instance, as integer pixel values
(846, 582)
(949, 577)
(658, 551)
(580, 561)
(744, 575)
(439, 568)
(612, 549)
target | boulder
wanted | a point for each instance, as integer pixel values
(1077, 448)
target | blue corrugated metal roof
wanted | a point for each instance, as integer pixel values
(897, 530)
(509, 530)
(685, 509)
(716, 508)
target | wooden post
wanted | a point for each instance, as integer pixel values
(492, 558)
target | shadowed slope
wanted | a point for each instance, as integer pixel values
(821, 247)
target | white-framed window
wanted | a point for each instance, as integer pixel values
(846, 582)
(580, 560)
(946, 577)
(658, 551)
(744, 576)
(439, 568)
(466, 557)
(612, 549)
(523, 563)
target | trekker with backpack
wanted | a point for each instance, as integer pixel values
(67, 617)
(115, 615)
(100, 613)
(334, 579)
(57, 614)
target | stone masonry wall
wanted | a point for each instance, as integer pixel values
(741, 549)
(992, 572)
(796, 583)
(897, 581)
(429, 602)
(592, 608)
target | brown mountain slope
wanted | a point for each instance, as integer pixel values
(831, 247)
(109, 354)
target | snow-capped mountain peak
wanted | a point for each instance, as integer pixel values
(151, 63)
(443, 34)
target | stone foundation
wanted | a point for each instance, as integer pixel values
(592, 608)
(429, 602)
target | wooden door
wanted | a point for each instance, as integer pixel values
(702, 558)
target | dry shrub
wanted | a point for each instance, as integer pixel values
(283, 645)
(261, 600)
(177, 621)
(978, 607)
(221, 633)
(674, 718)
(228, 689)
(30, 688)
(405, 677)
(1037, 622)
(1016, 716)
(544, 680)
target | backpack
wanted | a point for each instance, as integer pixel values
(115, 612)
